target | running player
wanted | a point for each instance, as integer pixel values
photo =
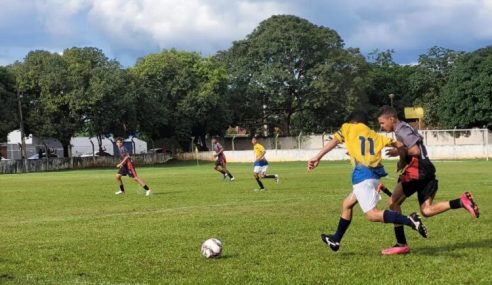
(364, 147)
(220, 159)
(126, 168)
(261, 165)
(418, 175)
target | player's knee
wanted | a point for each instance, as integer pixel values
(371, 216)
(426, 212)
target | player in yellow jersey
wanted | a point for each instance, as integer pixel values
(364, 147)
(261, 164)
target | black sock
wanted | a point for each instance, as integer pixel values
(392, 217)
(400, 235)
(230, 175)
(269, 176)
(455, 204)
(342, 227)
(146, 187)
(122, 188)
(259, 183)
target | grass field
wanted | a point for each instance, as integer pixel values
(69, 228)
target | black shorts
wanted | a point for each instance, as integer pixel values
(128, 169)
(425, 189)
(220, 162)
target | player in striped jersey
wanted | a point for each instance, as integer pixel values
(126, 168)
(220, 159)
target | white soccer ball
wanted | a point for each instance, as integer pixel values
(211, 248)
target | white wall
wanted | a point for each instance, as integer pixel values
(435, 152)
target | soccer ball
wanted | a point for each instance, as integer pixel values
(211, 248)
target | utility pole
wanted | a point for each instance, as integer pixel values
(21, 126)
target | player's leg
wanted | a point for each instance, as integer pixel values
(142, 183)
(345, 218)
(395, 201)
(273, 176)
(218, 168)
(257, 176)
(120, 184)
(132, 173)
(226, 171)
(368, 197)
(428, 208)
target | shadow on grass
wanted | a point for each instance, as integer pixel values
(449, 248)
(166, 193)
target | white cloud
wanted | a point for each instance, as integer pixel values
(132, 28)
(181, 24)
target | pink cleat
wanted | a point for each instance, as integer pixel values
(469, 205)
(396, 249)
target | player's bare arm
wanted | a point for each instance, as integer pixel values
(313, 162)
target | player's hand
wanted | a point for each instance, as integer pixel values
(392, 152)
(312, 163)
(118, 165)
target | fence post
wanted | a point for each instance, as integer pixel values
(233, 146)
(276, 141)
(299, 140)
(323, 140)
(486, 131)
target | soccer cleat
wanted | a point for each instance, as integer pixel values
(259, 190)
(148, 192)
(328, 239)
(469, 205)
(277, 178)
(119, 192)
(417, 224)
(233, 178)
(396, 249)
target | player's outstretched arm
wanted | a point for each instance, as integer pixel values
(313, 162)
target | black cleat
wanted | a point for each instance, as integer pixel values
(417, 224)
(328, 239)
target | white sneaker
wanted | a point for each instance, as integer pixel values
(119, 192)
(233, 178)
(277, 178)
(148, 192)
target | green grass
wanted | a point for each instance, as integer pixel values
(69, 228)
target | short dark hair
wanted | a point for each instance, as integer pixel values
(119, 139)
(387, 111)
(358, 117)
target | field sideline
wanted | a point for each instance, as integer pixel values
(69, 228)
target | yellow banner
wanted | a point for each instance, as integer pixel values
(414, 113)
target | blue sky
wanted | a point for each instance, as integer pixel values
(129, 29)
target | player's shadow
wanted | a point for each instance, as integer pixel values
(449, 249)
(166, 193)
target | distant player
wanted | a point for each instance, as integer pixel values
(220, 159)
(418, 175)
(126, 168)
(364, 147)
(261, 165)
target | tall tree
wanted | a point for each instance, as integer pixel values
(42, 80)
(275, 70)
(466, 99)
(388, 77)
(8, 104)
(180, 95)
(431, 74)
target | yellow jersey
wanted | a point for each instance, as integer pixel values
(364, 145)
(259, 150)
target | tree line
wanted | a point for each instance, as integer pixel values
(287, 73)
